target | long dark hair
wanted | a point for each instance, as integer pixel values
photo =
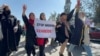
(63, 14)
(41, 16)
(31, 14)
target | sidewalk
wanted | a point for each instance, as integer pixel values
(53, 51)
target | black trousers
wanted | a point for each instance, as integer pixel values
(17, 40)
(30, 50)
(41, 50)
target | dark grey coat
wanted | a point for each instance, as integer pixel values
(77, 37)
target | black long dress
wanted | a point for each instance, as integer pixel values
(8, 42)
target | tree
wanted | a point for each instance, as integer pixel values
(92, 7)
(53, 16)
(97, 10)
(97, 15)
(87, 6)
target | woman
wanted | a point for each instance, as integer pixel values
(63, 32)
(42, 41)
(8, 23)
(80, 37)
(30, 32)
(85, 34)
(18, 32)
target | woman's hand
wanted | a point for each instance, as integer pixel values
(58, 26)
(24, 9)
(78, 5)
(15, 29)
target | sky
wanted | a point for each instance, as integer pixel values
(36, 6)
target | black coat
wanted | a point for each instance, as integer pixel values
(60, 33)
(30, 32)
(18, 35)
(76, 37)
(8, 41)
(19, 30)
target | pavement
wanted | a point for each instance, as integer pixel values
(54, 50)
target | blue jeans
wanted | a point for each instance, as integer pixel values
(87, 49)
(77, 50)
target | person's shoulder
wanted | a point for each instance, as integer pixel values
(12, 16)
(3, 18)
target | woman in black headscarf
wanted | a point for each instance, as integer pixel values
(8, 23)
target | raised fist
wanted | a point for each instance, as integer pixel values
(24, 8)
(78, 3)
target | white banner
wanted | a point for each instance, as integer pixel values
(45, 29)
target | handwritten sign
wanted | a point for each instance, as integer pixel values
(45, 29)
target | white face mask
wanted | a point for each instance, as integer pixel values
(83, 19)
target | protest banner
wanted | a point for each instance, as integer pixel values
(45, 29)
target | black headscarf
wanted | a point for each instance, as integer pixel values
(6, 12)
